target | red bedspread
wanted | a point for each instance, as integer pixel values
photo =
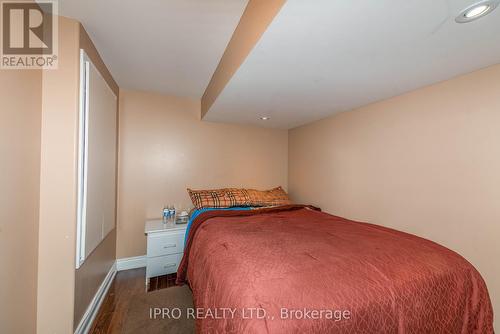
(297, 270)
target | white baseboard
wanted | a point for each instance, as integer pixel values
(95, 304)
(131, 263)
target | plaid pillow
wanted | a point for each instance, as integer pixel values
(273, 197)
(218, 198)
(229, 197)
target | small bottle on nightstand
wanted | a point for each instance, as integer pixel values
(166, 214)
(172, 213)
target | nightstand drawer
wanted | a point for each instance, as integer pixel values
(165, 244)
(163, 265)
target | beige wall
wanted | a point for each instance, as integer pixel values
(38, 130)
(427, 162)
(164, 148)
(57, 225)
(20, 109)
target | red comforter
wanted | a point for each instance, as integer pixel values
(294, 269)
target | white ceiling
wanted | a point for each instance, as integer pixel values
(167, 46)
(321, 57)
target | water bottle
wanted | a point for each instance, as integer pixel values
(166, 214)
(172, 213)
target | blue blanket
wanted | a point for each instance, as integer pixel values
(196, 213)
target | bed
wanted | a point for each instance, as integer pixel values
(295, 269)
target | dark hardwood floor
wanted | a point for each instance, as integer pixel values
(162, 282)
(113, 311)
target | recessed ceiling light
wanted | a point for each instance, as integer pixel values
(476, 11)
(479, 10)
(265, 118)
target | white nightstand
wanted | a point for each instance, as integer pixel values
(165, 247)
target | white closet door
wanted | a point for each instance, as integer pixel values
(98, 161)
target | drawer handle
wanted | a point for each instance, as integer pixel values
(169, 265)
(169, 246)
